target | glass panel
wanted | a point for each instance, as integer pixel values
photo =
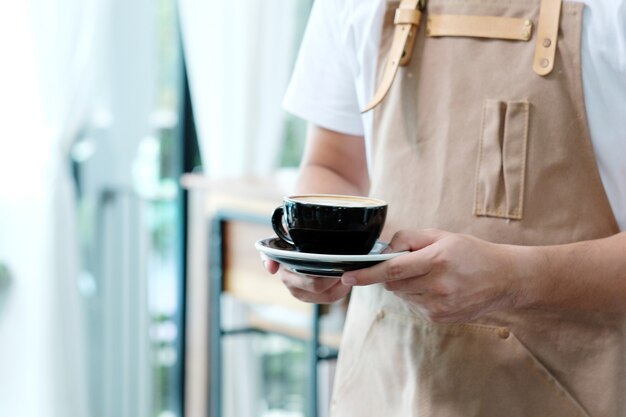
(128, 162)
(295, 128)
(267, 375)
(284, 375)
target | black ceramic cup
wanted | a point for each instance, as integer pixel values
(330, 224)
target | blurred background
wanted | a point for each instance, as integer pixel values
(120, 122)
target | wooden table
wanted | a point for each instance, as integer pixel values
(225, 218)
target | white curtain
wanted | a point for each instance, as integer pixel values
(48, 46)
(239, 59)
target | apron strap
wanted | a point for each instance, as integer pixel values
(547, 35)
(490, 27)
(407, 22)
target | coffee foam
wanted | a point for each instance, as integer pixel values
(337, 200)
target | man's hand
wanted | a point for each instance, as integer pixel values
(333, 163)
(309, 289)
(447, 277)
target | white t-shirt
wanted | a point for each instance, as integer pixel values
(335, 73)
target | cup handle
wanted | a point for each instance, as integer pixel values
(277, 225)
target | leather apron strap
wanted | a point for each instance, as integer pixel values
(491, 27)
(547, 35)
(406, 21)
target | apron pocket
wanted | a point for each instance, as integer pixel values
(407, 367)
(502, 159)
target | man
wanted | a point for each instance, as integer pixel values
(506, 186)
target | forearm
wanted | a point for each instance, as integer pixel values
(333, 163)
(589, 275)
(319, 179)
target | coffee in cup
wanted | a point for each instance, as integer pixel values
(330, 224)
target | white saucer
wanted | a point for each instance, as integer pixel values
(317, 264)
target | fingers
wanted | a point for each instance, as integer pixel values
(415, 264)
(410, 265)
(305, 283)
(314, 289)
(305, 288)
(414, 240)
(270, 265)
(334, 293)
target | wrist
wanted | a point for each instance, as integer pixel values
(530, 276)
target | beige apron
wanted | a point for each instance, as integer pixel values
(484, 132)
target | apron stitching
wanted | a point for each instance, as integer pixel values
(552, 382)
(506, 212)
(562, 395)
(578, 92)
(477, 210)
(417, 319)
(357, 357)
(523, 170)
(514, 214)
